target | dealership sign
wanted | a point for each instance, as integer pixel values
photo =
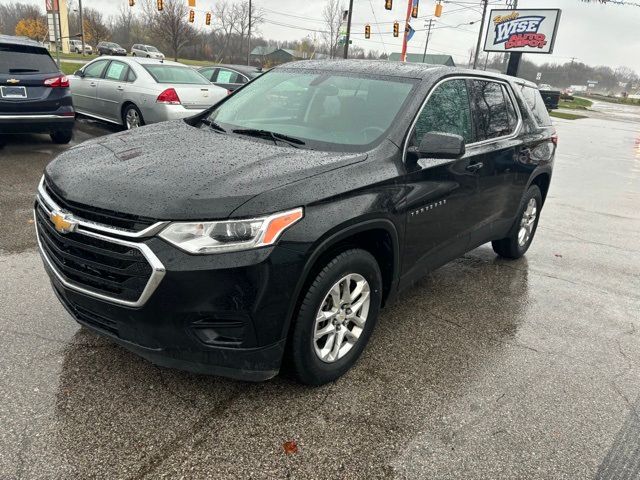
(522, 30)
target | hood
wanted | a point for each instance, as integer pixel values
(173, 171)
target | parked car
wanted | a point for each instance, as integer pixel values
(551, 97)
(148, 51)
(230, 77)
(283, 222)
(137, 91)
(34, 93)
(76, 47)
(110, 48)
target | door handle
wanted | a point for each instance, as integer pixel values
(92, 84)
(120, 87)
(474, 167)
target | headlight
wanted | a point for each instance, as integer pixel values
(230, 235)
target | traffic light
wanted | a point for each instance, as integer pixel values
(132, 3)
(192, 3)
(207, 19)
(388, 4)
(367, 31)
(160, 5)
(192, 16)
(438, 9)
(396, 29)
(414, 10)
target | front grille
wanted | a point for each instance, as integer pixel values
(99, 215)
(118, 271)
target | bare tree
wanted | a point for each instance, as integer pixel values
(169, 27)
(241, 20)
(332, 16)
(95, 30)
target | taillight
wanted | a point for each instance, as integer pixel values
(169, 96)
(61, 81)
(554, 139)
(229, 92)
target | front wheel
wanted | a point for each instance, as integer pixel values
(339, 311)
(516, 244)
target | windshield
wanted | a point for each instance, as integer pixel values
(17, 59)
(151, 49)
(175, 74)
(330, 111)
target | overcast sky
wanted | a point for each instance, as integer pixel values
(593, 33)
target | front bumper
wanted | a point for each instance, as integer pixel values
(224, 314)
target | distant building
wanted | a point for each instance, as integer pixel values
(271, 56)
(431, 59)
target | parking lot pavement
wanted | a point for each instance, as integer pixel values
(485, 369)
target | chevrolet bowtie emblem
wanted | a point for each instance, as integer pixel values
(13, 80)
(63, 222)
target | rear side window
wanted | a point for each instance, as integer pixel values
(494, 114)
(534, 100)
(175, 74)
(25, 60)
(446, 111)
(117, 71)
(227, 76)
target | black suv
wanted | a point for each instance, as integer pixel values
(34, 93)
(110, 48)
(277, 223)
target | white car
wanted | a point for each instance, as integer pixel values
(76, 47)
(134, 91)
(147, 51)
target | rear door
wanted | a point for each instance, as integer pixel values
(440, 193)
(496, 122)
(111, 89)
(85, 89)
(23, 71)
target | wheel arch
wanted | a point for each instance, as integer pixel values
(541, 178)
(379, 237)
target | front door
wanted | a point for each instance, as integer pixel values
(84, 89)
(441, 193)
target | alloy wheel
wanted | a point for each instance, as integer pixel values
(527, 222)
(341, 317)
(132, 119)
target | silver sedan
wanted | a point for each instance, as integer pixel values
(136, 91)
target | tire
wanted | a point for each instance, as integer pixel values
(131, 109)
(304, 351)
(61, 137)
(516, 244)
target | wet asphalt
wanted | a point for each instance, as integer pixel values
(485, 369)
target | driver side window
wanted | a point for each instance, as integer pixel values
(446, 111)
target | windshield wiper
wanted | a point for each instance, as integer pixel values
(213, 125)
(293, 141)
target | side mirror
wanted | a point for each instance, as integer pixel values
(79, 73)
(439, 145)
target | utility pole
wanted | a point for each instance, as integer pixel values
(348, 39)
(403, 57)
(424, 55)
(249, 38)
(81, 24)
(484, 15)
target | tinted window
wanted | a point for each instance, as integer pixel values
(131, 77)
(328, 111)
(207, 72)
(175, 74)
(491, 115)
(447, 111)
(117, 71)
(534, 100)
(22, 59)
(95, 69)
(511, 110)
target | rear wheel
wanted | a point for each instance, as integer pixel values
(132, 117)
(337, 315)
(516, 244)
(61, 137)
